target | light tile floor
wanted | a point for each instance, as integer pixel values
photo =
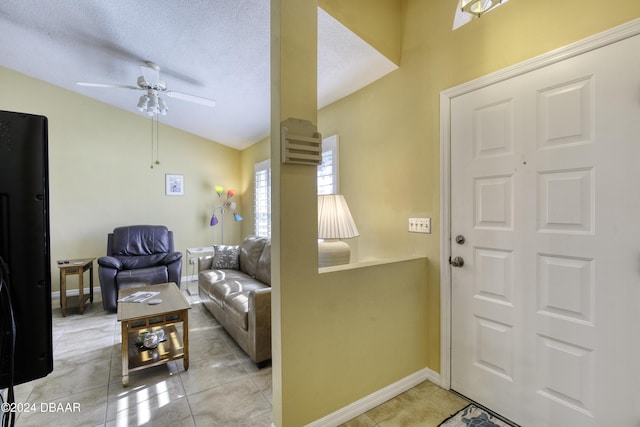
(425, 405)
(221, 388)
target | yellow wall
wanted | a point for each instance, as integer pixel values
(100, 175)
(293, 95)
(336, 335)
(346, 335)
(378, 22)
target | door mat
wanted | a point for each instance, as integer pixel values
(473, 416)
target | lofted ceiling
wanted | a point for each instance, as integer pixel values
(217, 49)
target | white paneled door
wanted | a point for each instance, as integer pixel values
(545, 281)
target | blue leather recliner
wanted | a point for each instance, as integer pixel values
(137, 255)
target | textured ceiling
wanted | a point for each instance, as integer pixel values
(215, 49)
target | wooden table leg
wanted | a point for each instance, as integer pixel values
(63, 292)
(81, 289)
(125, 354)
(91, 282)
(185, 339)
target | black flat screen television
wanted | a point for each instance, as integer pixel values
(25, 249)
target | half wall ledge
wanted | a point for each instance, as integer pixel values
(370, 263)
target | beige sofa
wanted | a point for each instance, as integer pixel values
(235, 286)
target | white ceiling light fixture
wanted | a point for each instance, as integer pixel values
(152, 104)
(468, 10)
(478, 7)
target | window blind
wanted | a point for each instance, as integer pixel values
(262, 199)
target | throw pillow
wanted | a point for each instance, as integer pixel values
(226, 257)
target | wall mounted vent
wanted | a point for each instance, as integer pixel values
(301, 142)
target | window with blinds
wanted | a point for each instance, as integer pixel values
(328, 170)
(262, 199)
(327, 184)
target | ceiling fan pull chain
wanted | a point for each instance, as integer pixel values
(157, 141)
(152, 143)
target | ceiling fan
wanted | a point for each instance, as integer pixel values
(149, 81)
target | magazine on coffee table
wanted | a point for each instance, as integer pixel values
(139, 296)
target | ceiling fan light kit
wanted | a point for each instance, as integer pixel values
(152, 104)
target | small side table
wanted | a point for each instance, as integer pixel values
(192, 261)
(71, 267)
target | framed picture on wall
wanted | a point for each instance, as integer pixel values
(174, 185)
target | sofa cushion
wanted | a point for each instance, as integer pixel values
(140, 240)
(221, 283)
(263, 269)
(250, 251)
(226, 257)
(220, 290)
(210, 276)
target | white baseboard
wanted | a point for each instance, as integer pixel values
(361, 406)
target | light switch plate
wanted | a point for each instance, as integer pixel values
(420, 225)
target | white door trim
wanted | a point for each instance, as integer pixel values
(624, 31)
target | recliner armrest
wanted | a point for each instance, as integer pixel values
(172, 257)
(110, 262)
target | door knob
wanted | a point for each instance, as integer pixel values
(457, 262)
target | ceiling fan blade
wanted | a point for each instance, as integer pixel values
(191, 98)
(106, 85)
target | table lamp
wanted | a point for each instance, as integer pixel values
(334, 223)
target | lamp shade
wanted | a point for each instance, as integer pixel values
(334, 218)
(225, 205)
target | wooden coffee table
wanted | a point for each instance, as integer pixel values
(142, 317)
